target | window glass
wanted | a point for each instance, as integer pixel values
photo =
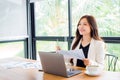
(51, 17)
(50, 46)
(113, 48)
(106, 12)
(11, 49)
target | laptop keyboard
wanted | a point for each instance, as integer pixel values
(70, 73)
(73, 72)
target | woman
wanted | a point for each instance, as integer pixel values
(88, 40)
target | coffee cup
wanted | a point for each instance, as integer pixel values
(93, 69)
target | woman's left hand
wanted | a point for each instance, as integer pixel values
(86, 61)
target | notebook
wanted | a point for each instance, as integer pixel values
(54, 63)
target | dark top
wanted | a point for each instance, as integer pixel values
(85, 51)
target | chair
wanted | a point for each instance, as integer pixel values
(111, 61)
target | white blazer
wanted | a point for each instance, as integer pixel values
(96, 52)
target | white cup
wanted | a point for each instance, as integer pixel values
(93, 69)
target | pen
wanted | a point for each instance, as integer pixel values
(57, 42)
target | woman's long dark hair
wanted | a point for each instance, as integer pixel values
(94, 30)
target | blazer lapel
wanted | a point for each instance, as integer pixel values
(91, 51)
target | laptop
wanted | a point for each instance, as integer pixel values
(54, 63)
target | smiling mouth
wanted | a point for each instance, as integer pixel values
(82, 30)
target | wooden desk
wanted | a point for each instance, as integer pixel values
(34, 74)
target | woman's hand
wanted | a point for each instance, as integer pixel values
(86, 62)
(58, 48)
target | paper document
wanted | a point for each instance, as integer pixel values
(78, 54)
(25, 65)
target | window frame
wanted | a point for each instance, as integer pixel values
(68, 38)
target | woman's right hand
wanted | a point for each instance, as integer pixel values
(86, 61)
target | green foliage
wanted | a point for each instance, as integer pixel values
(107, 13)
(51, 18)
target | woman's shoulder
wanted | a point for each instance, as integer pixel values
(98, 42)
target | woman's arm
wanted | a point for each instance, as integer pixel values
(99, 54)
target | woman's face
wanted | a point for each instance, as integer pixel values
(84, 27)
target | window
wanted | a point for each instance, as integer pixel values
(51, 17)
(49, 46)
(115, 50)
(51, 20)
(12, 49)
(13, 27)
(106, 12)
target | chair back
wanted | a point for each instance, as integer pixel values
(111, 61)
